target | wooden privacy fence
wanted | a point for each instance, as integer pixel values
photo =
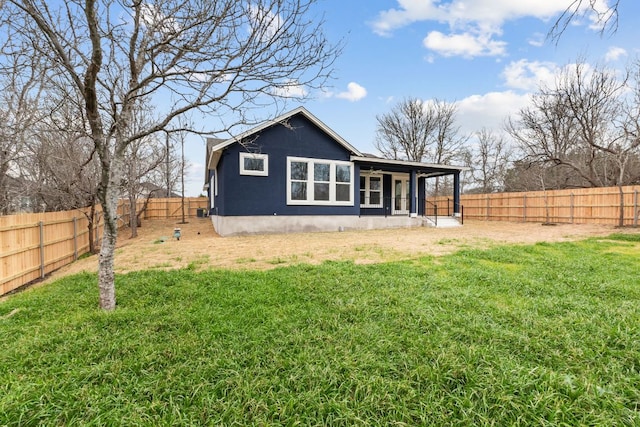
(575, 206)
(34, 245)
(170, 208)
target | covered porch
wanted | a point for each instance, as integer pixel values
(397, 188)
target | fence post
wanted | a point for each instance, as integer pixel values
(487, 207)
(635, 208)
(524, 208)
(75, 238)
(41, 225)
(571, 208)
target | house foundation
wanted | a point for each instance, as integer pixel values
(242, 225)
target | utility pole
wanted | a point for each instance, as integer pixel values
(182, 174)
(168, 166)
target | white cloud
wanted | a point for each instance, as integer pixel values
(614, 53)
(489, 110)
(290, 89)
(529, 75)
(466, 44)
(472, 24)
(409, 11)
(354, 92)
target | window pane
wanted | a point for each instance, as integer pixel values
(320, 191)
(398, 200)
(343, 173)
(298, 191)
(374, 183)
(363, 199)
(343, 192)
(251, 164)
(321, 172)
(363, 182)
(299, 171)
(375, 197)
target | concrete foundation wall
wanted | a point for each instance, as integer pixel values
(239, 225)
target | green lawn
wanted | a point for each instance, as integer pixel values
(540, 335)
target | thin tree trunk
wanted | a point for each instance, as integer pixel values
(106, 276)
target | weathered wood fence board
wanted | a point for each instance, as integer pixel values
(575, 206)
(34, 245)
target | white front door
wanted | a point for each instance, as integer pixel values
(400, 194)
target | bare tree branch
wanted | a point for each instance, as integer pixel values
(602, 15)
(228, 59)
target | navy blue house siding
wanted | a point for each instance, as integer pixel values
(246, 195)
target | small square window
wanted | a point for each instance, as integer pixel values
(254, 164)
(370, 191)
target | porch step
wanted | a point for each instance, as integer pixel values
(441, 222)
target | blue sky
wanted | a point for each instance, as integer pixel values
(485, 55)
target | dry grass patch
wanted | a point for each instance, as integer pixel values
(201, 248)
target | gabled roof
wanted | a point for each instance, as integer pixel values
(215, 146)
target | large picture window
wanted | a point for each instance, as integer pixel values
(371, 191)
(254, 164)
(319, 182)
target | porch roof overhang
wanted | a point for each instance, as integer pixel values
(403, 166)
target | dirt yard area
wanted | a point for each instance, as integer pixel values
(200, 247)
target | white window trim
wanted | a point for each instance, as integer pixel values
(367, 191)
(332, 182)
(265, 159)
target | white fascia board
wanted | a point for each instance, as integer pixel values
(407, 163)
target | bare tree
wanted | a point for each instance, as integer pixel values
(489, 162)
(419, 131)
(448, 142)
(406, 132)
(142, 157)
(581, 124)
(219, 57)
(20, 91)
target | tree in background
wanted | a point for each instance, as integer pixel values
(406, 132)
(582, 124)
(143, 158)
(20, 93)
(489, 160)
(420, 131)
(220, 57)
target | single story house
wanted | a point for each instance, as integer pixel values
(296, 174)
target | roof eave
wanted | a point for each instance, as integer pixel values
(407, 163)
